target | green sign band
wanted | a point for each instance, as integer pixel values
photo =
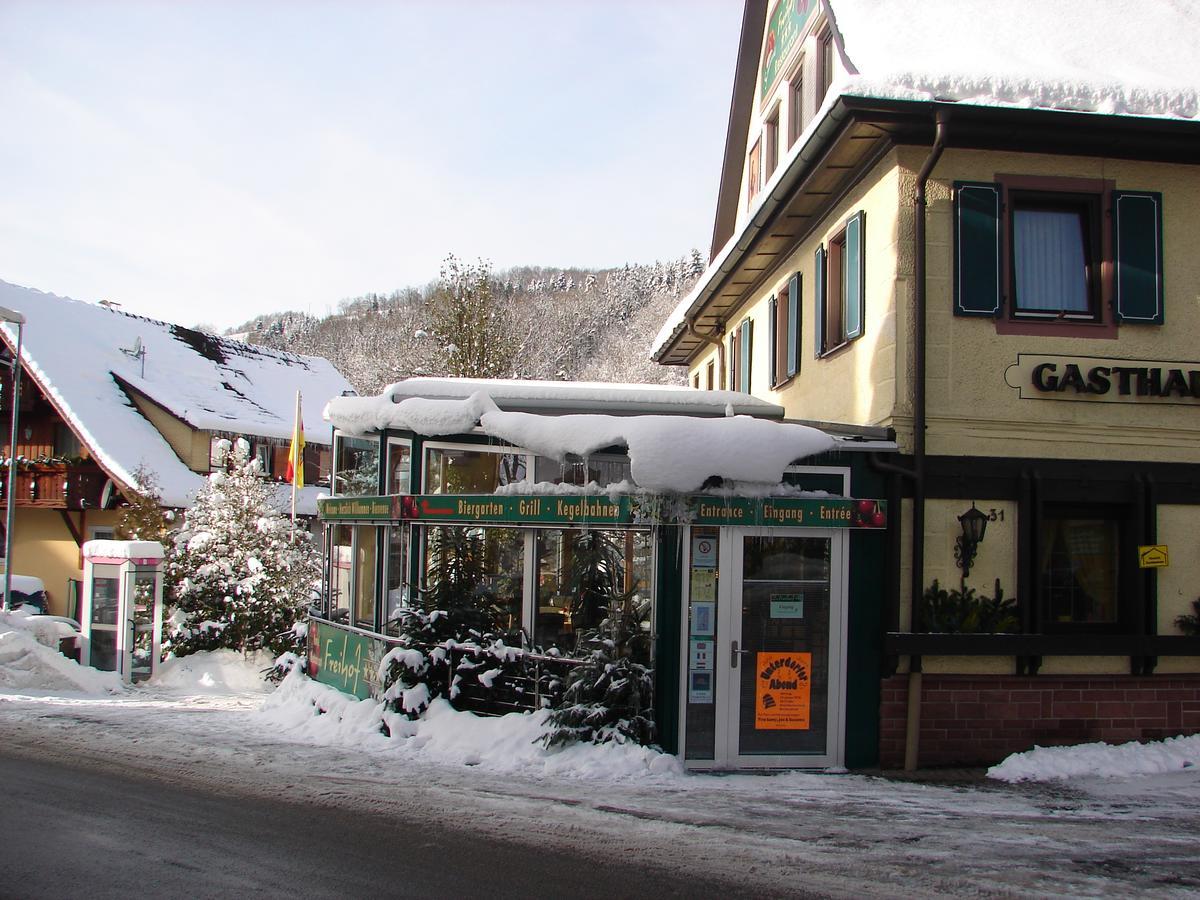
(697, 509)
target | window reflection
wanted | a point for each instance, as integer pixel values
(357, 468)
(584, 576)
(451, 471)
(476, 575)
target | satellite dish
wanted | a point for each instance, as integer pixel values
(137, 347)
(106, 495)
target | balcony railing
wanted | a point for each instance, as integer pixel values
(55, 486)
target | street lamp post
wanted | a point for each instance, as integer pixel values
(11, 315)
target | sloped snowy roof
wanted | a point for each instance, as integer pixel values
(1099, 56)
(75, 351)
(1083, 56)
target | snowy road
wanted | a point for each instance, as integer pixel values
(790, 834)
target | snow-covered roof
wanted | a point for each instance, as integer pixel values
(1099, 56)
(676, 452)
(582, 396)
(122, 549)
(78, 351)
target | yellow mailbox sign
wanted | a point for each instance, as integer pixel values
(1153, 556)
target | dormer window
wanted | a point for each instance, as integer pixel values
(754, 171)
(796, 121)
(825, 60)
(771, 144)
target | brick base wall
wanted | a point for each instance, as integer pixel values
(974, 720)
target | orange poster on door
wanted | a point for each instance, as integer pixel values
(782, 691)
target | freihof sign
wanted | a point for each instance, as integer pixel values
(1104, 379)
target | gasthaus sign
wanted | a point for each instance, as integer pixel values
(1104, 379)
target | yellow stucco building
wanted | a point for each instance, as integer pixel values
(994, 264)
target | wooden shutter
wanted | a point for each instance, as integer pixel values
(819, 299)
(746, 341)
(853, 271)
(773, 309)
(976, 249)
(734, 343)
(1137, 252)
(793, 326)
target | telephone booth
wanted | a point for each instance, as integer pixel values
(121, 609)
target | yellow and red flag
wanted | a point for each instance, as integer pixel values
(295, 463)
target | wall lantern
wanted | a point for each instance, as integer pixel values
(974, 524)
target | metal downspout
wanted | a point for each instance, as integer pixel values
(917, 585)
(690, 325)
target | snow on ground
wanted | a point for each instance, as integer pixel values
(30, 661)
(214, 672)
(1100, 760)
(785, 833)
(313, 712)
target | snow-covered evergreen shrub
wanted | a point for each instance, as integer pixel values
(439, 655)
(142, 517)
(609, 697)
(235, 576)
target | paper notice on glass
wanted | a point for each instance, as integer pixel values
(702, 618)
(704, 585)
(782, 695)
(704, 552)
(700, 689)
(701, 657)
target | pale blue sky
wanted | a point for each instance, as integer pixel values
(208, 161)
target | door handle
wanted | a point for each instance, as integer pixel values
(734, 653)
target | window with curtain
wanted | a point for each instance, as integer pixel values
(1053, 249)
(1078, 567)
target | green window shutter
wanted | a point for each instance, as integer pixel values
(793, 335)
(853, 271)
(747, 344)
(976, 249)
(772, 343)
(733, 360)
(1137, 251)
(819, 300)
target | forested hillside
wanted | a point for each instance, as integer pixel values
(528, 322)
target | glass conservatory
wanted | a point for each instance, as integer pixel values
(731, 547)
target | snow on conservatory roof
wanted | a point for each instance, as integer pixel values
(82, 356)
(678, 452)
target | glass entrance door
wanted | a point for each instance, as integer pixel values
(783, 662)
(777, 652)
(138, 651)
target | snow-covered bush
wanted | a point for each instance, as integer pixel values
(235, 575)
(441, 655)
(609, 697)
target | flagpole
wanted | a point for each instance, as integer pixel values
(297, 464)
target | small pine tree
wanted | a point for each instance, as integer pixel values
(142, 517)
(235, 575)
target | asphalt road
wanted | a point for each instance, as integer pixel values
(70, 831)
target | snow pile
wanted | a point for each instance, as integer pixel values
(364, 415)
(303, 709)
(1099, 760)
(1069, 54)
(737, 448)
(741, 448)
(28, 664)
(214, 672)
